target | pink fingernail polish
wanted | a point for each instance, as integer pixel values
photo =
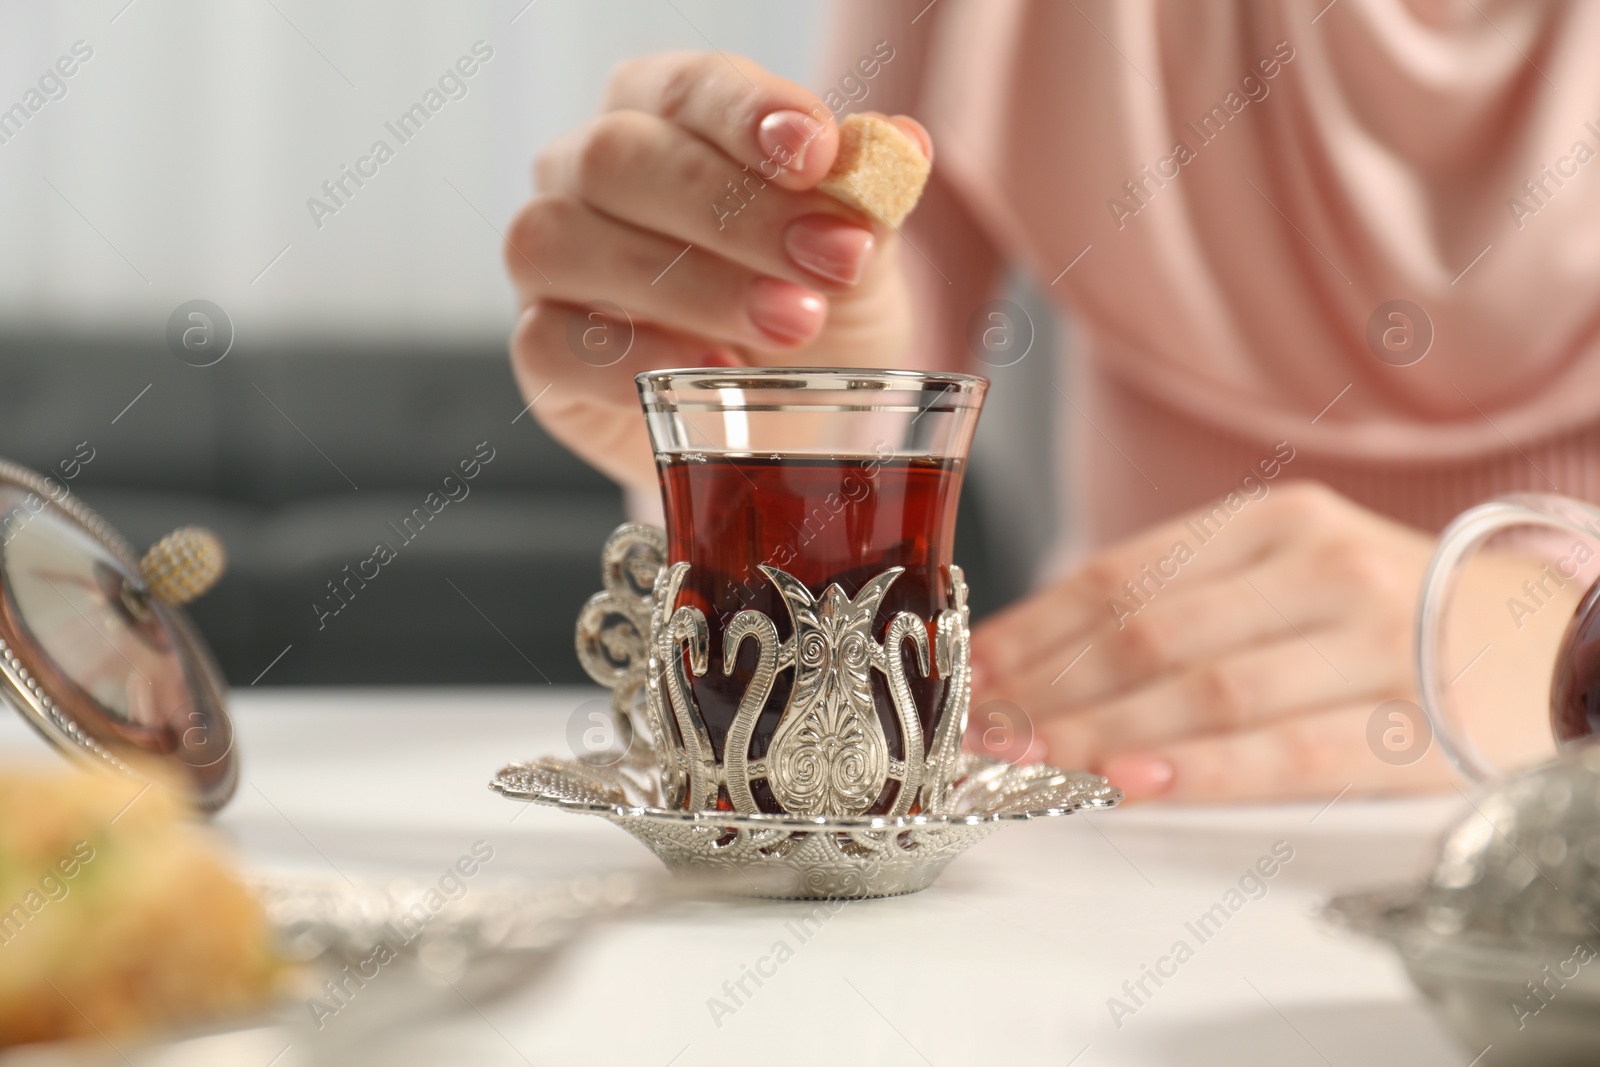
(917, 132)
(785, 312)
(1140, 777)
(830, 247)
(784, 137)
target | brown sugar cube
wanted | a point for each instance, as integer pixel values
(879, 169)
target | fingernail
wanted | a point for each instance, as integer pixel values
(830, 247)
(1140, 777)
(718, 358)
(784, 137)
(784, 311)
(917, 132)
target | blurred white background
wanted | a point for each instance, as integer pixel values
(179, 161)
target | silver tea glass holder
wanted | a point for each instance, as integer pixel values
(828, 760)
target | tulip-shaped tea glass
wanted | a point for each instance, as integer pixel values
(788, 660)
(811, 631)
(1575, 683)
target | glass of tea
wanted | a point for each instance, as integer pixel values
(812, 642)
(1575, 680)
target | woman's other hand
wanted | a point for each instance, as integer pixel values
(1232, 655)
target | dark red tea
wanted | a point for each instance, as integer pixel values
(828, 519)
(1575, 688)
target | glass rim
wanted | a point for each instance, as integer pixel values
(870, 388)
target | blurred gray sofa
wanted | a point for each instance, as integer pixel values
(304, 456)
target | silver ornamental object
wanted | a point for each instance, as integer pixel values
(1504, 936)
(374, 960)
(828, 760)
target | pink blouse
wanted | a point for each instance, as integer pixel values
(1361, 227)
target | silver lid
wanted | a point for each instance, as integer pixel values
(106, 669)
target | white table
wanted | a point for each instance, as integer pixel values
(1010, 958)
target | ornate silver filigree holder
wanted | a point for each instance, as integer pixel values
(829, 761)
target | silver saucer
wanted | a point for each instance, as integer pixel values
(1510, 1003)
(805, 857)
(1503, 936)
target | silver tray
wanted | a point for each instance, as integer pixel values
(495, 939)
(1473, 981)
(804, 857)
